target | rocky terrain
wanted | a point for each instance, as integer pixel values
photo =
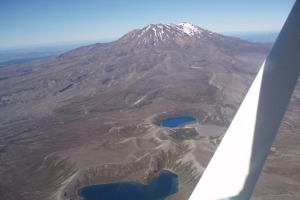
(92, 115)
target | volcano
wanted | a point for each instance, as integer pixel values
(92, 115)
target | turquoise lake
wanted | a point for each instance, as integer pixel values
(177, 121)
(161, 187)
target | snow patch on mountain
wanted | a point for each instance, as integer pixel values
(189, 29)
(165, 33)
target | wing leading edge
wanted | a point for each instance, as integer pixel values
(236, 165)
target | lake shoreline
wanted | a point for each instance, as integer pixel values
(117, 189)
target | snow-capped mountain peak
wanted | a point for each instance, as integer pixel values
(155, 34)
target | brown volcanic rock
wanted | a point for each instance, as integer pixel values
(92, 115)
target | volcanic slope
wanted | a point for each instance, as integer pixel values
(92, 115)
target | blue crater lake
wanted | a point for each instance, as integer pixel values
(177, 121)
(161, 187)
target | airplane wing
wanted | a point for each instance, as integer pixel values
(236, 165)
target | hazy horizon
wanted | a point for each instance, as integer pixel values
(93, 41)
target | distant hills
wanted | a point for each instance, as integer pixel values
(16, 55)
(260, 36)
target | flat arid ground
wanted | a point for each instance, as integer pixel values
(92, 115)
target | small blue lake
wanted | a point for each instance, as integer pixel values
(178, 121)
(161, 187)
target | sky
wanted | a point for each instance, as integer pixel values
(32, 22)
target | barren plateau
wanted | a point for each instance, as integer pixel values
(92, 115)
